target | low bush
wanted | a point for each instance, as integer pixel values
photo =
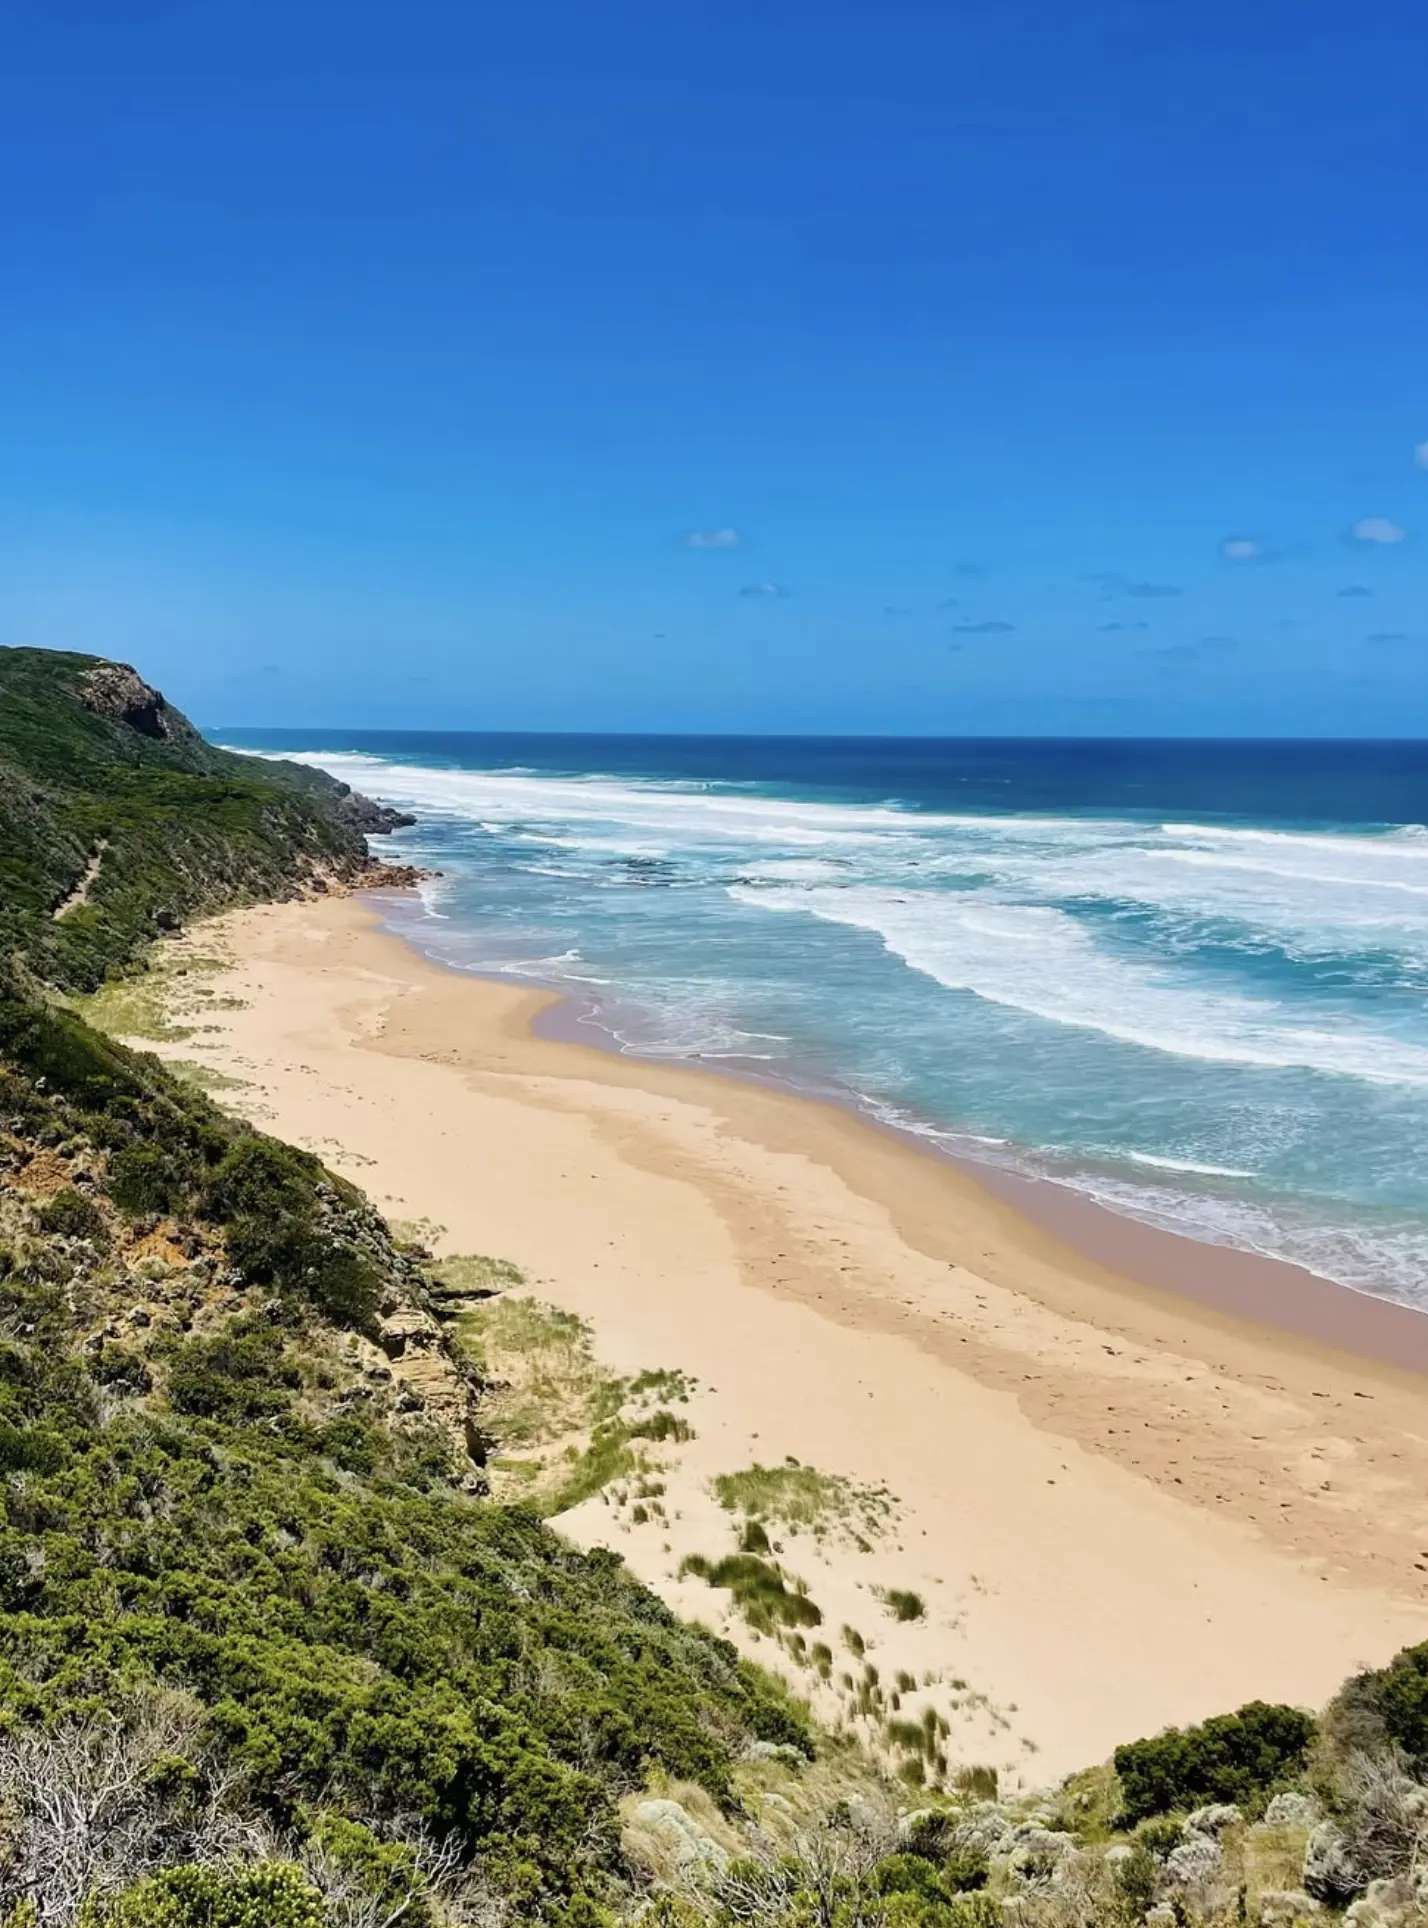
(272, 1895)
(69, 1214)
(1384, 1707)
(1238, 1757)
(145, 1179)
(240, 1374)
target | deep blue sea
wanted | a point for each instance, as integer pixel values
(1190, 979)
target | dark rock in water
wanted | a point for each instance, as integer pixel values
(116, 690)
(168, 920)
(372, 819)
(382, 876)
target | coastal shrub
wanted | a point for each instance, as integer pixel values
(299, 1257)
(371, 1636)
(903, 1910)
(273, 1895)
(1236, 1757)
(145, 1179)
(69, 1214)
(1384, 1706)
(260, 1179)
(240, 1374)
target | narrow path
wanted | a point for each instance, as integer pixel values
(80, 894)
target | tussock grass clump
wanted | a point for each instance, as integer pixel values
(472, 1275)
(761, 1591)
(801, 1499)
(903, 1604)
(566, 1426)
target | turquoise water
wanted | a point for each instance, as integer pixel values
(1188, 979)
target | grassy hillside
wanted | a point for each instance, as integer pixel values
(271, 1657)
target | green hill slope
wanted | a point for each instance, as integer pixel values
(117, 818)
(241, 1553)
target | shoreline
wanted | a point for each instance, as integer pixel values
(1121, 1509)
(1258, 1287)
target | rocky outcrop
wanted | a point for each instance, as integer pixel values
(371, 818)
(1195, 1863)
(119, 692)
(1031, 1853)
(1292, 1811)
(1331, 1870)
(687, 1845)
(1213, 1820)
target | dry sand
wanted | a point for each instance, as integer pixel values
(1122, 1507)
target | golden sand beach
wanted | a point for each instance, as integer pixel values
(1116, 1506)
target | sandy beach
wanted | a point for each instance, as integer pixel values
(1122, 1505)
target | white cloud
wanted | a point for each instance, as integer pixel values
(772, 590)
(1241, 549)
(1377, 528)
(712, 539)
(1420, 455)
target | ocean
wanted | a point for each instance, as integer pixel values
(1188, 979)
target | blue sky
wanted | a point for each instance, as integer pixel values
(936, 367)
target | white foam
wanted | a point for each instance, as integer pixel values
(1041, 962)
(1192, 1165)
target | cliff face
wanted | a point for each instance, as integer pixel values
(117, 820)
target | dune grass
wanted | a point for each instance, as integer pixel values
(799, 1498)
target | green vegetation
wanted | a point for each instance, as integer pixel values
(761, 1591)
(569, 1428)
(800, 1498)
(903, 1604)
(119, 820)
(1238, 1757)
(271, 1896)
(233, 1511)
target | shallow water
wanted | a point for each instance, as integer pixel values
(1189, 979)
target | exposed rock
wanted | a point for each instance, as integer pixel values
(371, 818)
(978, 1830)
(115, 690)
(681, 1836)
(1279, 1907)
(774, 1751)
(1292, 1811)
(379, 875)
(1162, 1915)
(1031, 1853)
(1195, 1861)
(1214, 1819)
(1119, 1855)
(1331, 1872)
